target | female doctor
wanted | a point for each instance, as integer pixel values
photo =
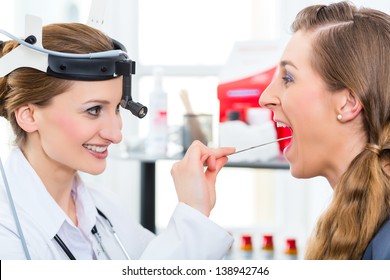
(64, 125)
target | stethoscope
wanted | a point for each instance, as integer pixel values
(95, 233)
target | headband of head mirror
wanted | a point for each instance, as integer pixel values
(100, 68)
(85, 67)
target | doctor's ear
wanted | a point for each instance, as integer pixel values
(349, 106)
(25, 118)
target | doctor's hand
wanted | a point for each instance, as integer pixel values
(195, 175)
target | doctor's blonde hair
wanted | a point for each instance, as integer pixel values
(29, 86)
(350, 49)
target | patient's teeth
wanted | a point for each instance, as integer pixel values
(280, 124)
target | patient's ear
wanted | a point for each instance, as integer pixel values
(25, 118)
(350, 106)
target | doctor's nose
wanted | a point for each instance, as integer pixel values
(112, 130)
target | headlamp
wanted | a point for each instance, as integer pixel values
(84, 67)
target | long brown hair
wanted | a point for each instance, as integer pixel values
(350, 49)
(29, 86)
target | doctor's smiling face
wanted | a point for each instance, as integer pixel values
(74, 131)
(299, 98)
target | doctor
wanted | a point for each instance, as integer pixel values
(64, 122)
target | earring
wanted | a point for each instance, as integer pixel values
(339, 117)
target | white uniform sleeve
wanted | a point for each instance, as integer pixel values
(189, 235)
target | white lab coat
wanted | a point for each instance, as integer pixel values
(189, 234)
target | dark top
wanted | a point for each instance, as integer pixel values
(379, 247)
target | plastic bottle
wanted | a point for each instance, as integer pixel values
(157, 138)
(291, 251)
(246, 247)
(267, 247)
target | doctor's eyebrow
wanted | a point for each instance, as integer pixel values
(283, 63)
(100, 101)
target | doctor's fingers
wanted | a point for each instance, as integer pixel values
(223, 151)
(198, 156)
(217, 153)
(211, 173)
(217, 158)
(199, 150)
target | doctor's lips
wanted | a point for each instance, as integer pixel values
(98, 151)
(95, 148)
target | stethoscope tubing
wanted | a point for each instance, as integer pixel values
(64, 247)
(94, 232)
(114, 233)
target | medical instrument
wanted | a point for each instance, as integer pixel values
(260, 145)
(95, 232)
(64, 247)
(96, 66)
(14, 214)
(114, 233)
(99, 240)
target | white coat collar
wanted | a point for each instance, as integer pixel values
(31, 195)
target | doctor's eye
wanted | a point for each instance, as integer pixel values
(287, 78)
(95, 110)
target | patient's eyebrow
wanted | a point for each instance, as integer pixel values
(283, 63)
